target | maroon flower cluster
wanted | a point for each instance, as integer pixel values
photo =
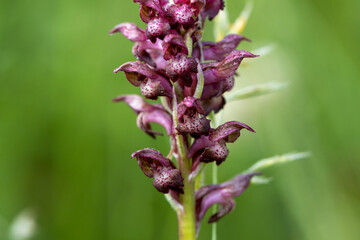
(172, 60)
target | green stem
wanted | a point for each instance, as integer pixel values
(186, 218)
(187, 225)
(215, 208)
(215, 122)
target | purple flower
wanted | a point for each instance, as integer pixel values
(219, 71)
(183, 15)
(157, 28)
(219, 50)
(173, 45)
(221, 194)
(181, 68)
(213, 147)
(150, 9)
(150, 53)
(216, 89)
(148, 113)
(191, 119)
(155, 165)
(170, 65)
(213, 104)
(151, 83)
(212, 8)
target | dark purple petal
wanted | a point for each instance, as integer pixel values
(157, 28)
(148, 113)
(150, 53)
(230, 64)
(229, 131)
(151, 161)
(182, 67)
(150, 9)
(224, 208)
(154, 164)
(157, 115)
(130, 31)
(211, 90)
(189, 105)
(194, 126)
(237, 185)
(183, 15)
(190, 118)
(174, 44)
(215, 72)
(215, 153)
(199, 144)
(216, 89)
(218, 51)
(137, 103)
(222, 194)
(168, 179)
(212, 8)
(153, 88)
(136, 72)
(147, 13)
(152, 84)
(213, 104)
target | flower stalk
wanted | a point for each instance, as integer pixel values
(190, 77)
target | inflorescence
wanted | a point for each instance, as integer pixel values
(190, 76)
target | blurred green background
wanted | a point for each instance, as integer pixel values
(65, 147)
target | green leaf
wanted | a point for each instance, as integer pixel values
(200, 83)
(240, 23)
(256, 90)
(268, 162)
(257, 180)
(264, 50)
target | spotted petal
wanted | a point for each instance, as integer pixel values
(154, 164)
(151, 83)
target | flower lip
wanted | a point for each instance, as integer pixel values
(191, 120)
(157, 28)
